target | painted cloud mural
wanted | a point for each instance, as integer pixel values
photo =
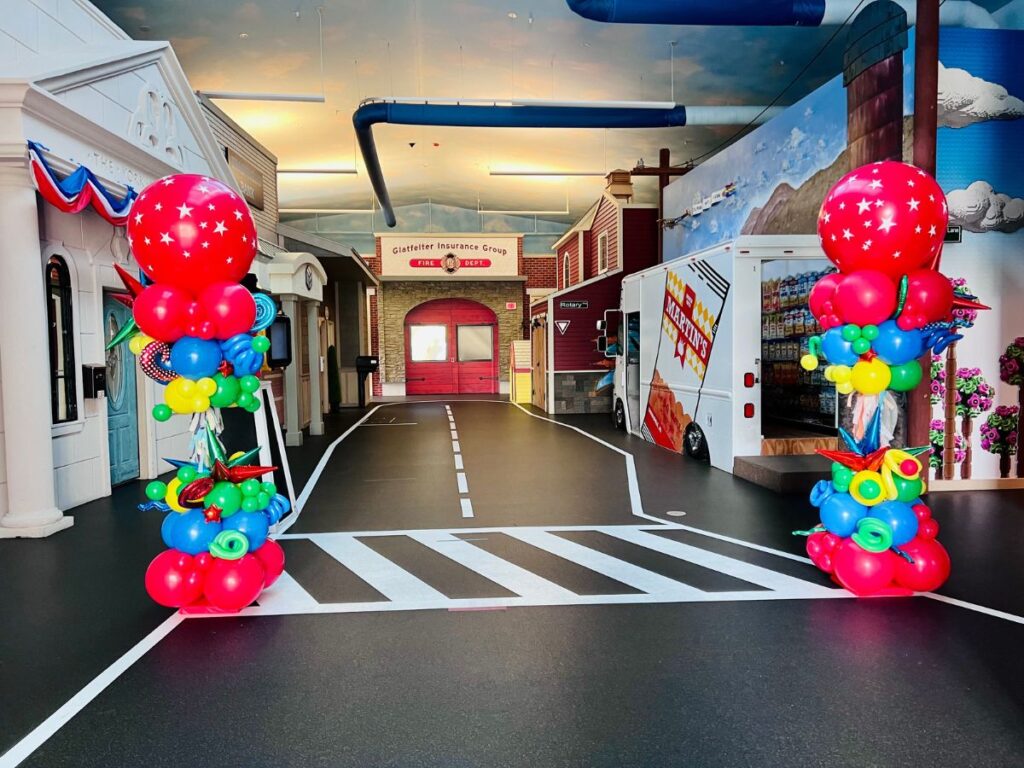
(979, 208)
(965, 99)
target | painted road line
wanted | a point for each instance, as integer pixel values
(391, 424)
(456, 447)
(286, 590)
(506, 574)
(748, 572)
(458, 461)
(612, 567)
(455, 435)
(467, 507)
(376, 570)
(460, 478)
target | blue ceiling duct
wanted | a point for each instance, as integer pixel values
(527, 116)
(787, 13)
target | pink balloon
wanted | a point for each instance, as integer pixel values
(233, 584)
(272, 557)
(862, 572)
(929, 298)
(229, 307)
(929, 569)
(822, 295)
(173, 580)
(161, 311)
(866, 297)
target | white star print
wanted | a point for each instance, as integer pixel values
(183, 211)
(166, 238)
(138, 218)
(245, 239)
(847, 234)
(896, 254)
(833, 238)
(238, 215)
(867, 223)
(146, 240)
(931, 230)
(875, 184)
(205, 244)
(203, 224)
(186, 254)
(920, 173)
(228, 260)
(158, 207)
(204, 189)
(863, 205)
(913, 204)
(168, 181)
(874, 170)
(879, 203)
(827, 216)
(842, 206)
(917, 230)
(932, 198)
(210, 206)
(220, 229)
(910, 182)
(887, 224)
(867, 245)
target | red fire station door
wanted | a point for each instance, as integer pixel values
(451, 347)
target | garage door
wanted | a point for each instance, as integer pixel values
(451, 347)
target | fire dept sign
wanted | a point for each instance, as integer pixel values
(442, 257)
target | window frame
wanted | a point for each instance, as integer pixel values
(603, 261)
(65, 293)
(446, 357)
(458, 344)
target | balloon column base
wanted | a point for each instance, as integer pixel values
(205, 608)
(884, 592)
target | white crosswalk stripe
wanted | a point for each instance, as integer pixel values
(405, 591)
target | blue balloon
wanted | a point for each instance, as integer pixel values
(840, 513)
(195, 358)
(901, 519)
(895, 346)
(253, 524)
(277, 508)
(189, 532)
(821, 491)
(837, 350)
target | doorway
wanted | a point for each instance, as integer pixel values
(451, 347)
(122, 397)
(540, 362)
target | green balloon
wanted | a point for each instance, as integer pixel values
(905, 377)
(253, 406)
(869, 489)
(260, 344)
(841, 477)
(269, 488)
(250, 487)
(907, 490)
(869, 332)
(250, 504)
(262, 500)
(227, 391)
(873, 535)
(226, 496)
(187, 474)
(851, 332)
(229, 545)
(162, 412)
(249, 383)
(156, 490)
(245, 400)
(861, 345)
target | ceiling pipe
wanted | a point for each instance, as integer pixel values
(762, 13)
(535, 115)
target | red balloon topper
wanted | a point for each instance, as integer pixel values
(887, 216)
(190, 231)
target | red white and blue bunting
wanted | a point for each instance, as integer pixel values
(78, 190)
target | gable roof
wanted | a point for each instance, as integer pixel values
(585, 222)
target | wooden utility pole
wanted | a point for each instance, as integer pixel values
(665, 172)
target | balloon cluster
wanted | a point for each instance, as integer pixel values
(883, 226)
(200, 333)
(217, 534)
(876, 534)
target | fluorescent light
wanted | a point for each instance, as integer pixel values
(325, 210)
(317, 170)
(315, 98)
(548, 173)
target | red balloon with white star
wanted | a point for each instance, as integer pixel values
(888, 216)
(191, 231)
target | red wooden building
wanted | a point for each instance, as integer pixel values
(614, 238)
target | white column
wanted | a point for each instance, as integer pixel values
(24, 363)
(316, 416)
(292, 380)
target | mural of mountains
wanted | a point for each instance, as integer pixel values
(794, 211)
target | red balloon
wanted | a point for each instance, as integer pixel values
(822, 296)
(867, 297)
(930, 568)
(929, 299)
(272, 557)
(233, 584)
(923, 511)
(888, 216)
(190, 231)
(928, 529)
(172, 579)
(862, 572)
(161, 311)
(229, 307)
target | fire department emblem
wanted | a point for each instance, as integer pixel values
(450, 263)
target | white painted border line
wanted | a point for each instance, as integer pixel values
(391, 424)
(974, 607)
(467, 507)
(38, 736)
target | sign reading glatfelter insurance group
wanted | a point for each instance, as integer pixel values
(442, 257)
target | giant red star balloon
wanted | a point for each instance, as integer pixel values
(888, 216)
(191, 231)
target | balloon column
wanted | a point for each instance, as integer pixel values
(882, 225)
(200, 334)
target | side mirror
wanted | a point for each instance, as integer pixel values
(602, 343)
(602, 325)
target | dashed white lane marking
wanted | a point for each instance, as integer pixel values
(455, 435)
(460, 478)
(467, 507)
(458, 461)
(456, 447)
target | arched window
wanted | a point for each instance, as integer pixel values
(565, 271)
(62, 341)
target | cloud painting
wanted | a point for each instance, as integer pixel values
(979, 208)
(965, 99)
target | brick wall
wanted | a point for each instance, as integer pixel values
(397, 298)
(577, 393)
(541, 271)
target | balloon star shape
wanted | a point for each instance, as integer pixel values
(240, 474)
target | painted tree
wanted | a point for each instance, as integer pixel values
(999, 435)
(1011, 370)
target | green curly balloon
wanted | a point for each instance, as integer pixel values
(901, 296)
(229, 545)
(872, 534)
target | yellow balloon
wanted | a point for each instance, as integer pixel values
(139, 342)
(809, 362)
(173, 489)
(841, 373)
(830, 373)
(235, 455)
(844, 387)
(178, 401)
(187, 387)
(206, 386)
(200, 403)
(870, 377)
(867, 488)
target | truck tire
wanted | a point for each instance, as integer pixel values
(619, 416)
(695, 444)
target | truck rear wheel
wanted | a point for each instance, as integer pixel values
(619, 416)
(695, 443)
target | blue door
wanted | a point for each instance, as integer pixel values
(122, 413)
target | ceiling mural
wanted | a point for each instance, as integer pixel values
(497, 49)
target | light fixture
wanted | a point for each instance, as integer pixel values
(513, 15)
(546, 173)
(315, 98)
(316, 170)
(244, 35)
